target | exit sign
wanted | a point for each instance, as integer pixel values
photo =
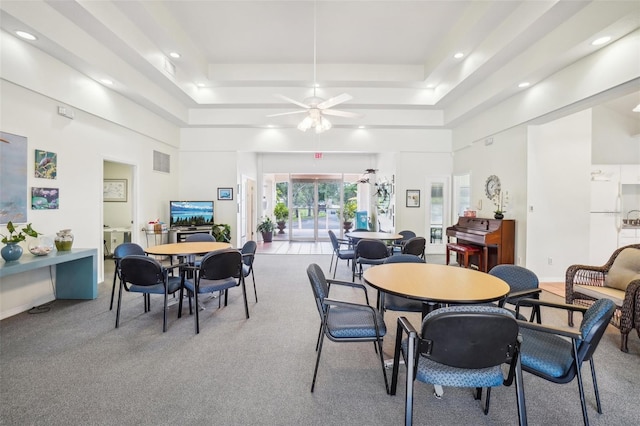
(318, 156)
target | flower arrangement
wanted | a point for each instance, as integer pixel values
(501, 201)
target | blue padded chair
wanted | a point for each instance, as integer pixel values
(124, 249)
(219, 271)
(341, 250)
(406, 236)
(523, 283)
(248, 252)
(368, 252)
(392, 302)
(345, 321)
(193, 238)
(143, 274)
(460, 346)
(556, 354)
(415, 245)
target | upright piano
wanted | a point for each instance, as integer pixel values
(496, 237)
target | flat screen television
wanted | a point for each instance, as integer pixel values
(190, 213)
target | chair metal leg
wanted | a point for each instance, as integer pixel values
(119, 304)
(486, 402)
(384, 371)
(580, 385)
(253, 277)
(522, 407)
(244, 294)
(595, 385)
(408, 407)
(113, 287)
(197, 315)
(164, 310)
(315, 370)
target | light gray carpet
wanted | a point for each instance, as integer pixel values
(71, 366)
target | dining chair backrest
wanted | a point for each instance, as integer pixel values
(126, 249)
(371, 249)
(199, 237)
(472, 337)
(141, 270)
(415, 245)
(334, 240)
(320, 287)
(406, 235)
(221, 264)
(249, 250)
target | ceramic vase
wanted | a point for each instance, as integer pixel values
(11, 252)
(64, 240)
(498, 216)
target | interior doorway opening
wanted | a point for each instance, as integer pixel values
(315, 203)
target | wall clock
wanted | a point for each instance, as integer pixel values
(492, 186)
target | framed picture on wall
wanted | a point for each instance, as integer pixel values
(413, 198)
(114, 190)
(225, 193)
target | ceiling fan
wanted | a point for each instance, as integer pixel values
(315, 107)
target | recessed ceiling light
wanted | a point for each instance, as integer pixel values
(458, 55)
(431, 86)
(636, 109)
(106, 81)
(360, 127)
(200, 84)
(25, 35)
(175, 55)
(524, 84)
(600, 41)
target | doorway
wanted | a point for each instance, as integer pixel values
(437, 217)
(316, 203)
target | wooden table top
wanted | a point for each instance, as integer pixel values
(374, 235)
(187, 248)
(436, 283)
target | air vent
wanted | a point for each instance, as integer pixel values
(161, 162)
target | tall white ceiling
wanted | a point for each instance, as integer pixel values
(394, 57)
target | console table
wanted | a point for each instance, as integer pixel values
(76, 271)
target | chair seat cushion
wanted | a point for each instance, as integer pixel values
(625, 268)
(346, 254)
(353, 323)
(545, 352)
(366, 261)
(439, 374)
(598, 292)
(210, 286)
(174, 285)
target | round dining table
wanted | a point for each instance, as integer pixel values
(372, 235)
(436, 284)
(186, 248)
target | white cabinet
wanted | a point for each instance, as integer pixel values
(629, 236)
(605, 188)
(603, 237)
(630, 174)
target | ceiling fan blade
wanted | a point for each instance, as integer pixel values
(335, 101)
(293, 101)
(341, 113)
(287, 113)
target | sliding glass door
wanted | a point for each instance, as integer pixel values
(315, 208)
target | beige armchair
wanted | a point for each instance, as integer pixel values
(618, 280)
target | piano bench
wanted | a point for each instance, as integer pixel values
(466, 251)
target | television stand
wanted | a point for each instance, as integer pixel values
(180, 234)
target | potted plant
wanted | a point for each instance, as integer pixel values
(12, 250)
(221, 232)
(281, 212)
(265, 227)
(348, 214)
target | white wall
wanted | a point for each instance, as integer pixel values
(558, 195)
(613, 137)
(82, 145)
(505, 157)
